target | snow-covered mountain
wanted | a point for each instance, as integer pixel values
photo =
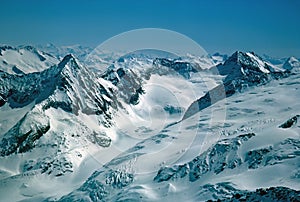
(291, 64)
(59, 111)
(252, 148)
(151, 127)
(24, 59)
(241, 70)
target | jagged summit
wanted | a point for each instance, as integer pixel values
(62, 107)
(244, 63)
(70, 65)
(67, 58)
(68, 85)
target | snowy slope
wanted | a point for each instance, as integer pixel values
(63, 111)
(240, 71)
(151, 127)
(252, 151)
(64, 119)
(24, 59)
(208, 156)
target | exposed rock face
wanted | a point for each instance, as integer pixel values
(56, 166)
(291, 122)
(68, 86)
(183, 68)
(22, 137)
(222, 155)
(267, 194)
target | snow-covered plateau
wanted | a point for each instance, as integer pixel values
(151, 126)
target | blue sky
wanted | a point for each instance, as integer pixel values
(266, 26)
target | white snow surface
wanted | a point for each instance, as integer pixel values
(25, 58)
(146, 137)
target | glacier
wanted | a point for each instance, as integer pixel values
(150, 127)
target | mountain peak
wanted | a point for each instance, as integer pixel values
(244, 63)
(237, 57)
(67, 58)
(291, 63)
(69, 62)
